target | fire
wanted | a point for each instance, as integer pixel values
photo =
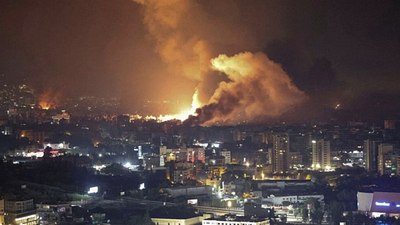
(48, 99)
(185, 113)
(45, 105)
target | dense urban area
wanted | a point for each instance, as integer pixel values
(81, 163)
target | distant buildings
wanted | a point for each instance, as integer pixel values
(18, 212)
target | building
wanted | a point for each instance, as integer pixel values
(321, 154)
(2, 221)
(180, 172)
(279, 153)
(390, 124)
(257, 210)
(180, 221)
(53, 214)
(298, 145)
(20, 212)
(235, 220)
(371, 154)
(379, 203)
(296, 198)
(63, 116)
(284, 184)
(188, 191)
(227, 155)
(196, 154)
(385, 158)
(295, 159)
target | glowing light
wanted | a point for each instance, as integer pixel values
(382, 204)
(185, 113)
(45, 105)
(93, 190)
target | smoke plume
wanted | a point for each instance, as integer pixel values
(184, 53)
(252, 87)
(258, 90)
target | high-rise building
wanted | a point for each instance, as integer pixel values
(279, 156)
(385, 156)
(321, 154)
(371, 154)
(299, 153)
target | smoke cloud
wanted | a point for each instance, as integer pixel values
(183, 52)
(258, 90)
(247, 87)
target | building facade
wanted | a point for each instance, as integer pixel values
(371, 154)
(321, 154)
(20, 212)
(279, 153)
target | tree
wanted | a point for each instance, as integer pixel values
(313, 210)
(335, 211)
(317, 215)
(141, 219)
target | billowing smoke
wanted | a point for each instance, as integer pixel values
(183, 52)
(252, 86)
(258, 90)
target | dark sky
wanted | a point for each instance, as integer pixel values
(344, 52)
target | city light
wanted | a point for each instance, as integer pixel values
(93, 190)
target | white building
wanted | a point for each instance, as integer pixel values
(321, 154)
(278, 200)
(227, 220)
(182, 221)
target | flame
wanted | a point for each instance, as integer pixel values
(45, 105)
(48, 99)
(185, 113)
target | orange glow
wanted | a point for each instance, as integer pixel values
(48, 99)
(179, 116)
(45, 105)
(185, 113)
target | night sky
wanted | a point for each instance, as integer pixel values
(345, 52)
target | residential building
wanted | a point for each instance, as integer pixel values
(321, 154)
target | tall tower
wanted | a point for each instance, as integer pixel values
(321, 154)
(385, 153)
(280, 150)
(371, 154)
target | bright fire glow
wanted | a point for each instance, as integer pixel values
(185, 113)
(45, 105)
